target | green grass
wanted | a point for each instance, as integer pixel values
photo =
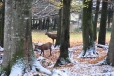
(74, 37)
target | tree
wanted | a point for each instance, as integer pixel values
(18, 53)
(102, 31)
(110, 14)
(40, 24)
(110, 55)
(43, 24)
(58, 40)
(95, 21)
(87, 30)
(55, 22)
(64, 58)
(2, 6)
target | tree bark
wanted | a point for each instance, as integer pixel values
(95, 21)
(40, 24)
(2, 23)
(65, 34)
(110, 55)
(18, 52)
(87, 30)
(102, 31)
(47, 23)
(58, 40)
(55, 22)
(43, 24)
(7, 36)
(17, 34)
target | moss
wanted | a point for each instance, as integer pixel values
(7, 70)
(18, 54)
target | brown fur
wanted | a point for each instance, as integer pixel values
(43, 47)
(52, 36)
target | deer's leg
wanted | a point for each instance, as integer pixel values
(42, 51)
(50, 52)
(53, 41)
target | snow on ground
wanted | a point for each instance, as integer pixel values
(78, 67)
(1, 49)
(85, 69)
(1, 54)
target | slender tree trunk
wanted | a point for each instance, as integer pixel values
(95, 20)
(43, 24)
(110, 55)
(102, 31)
(2, 23)
(55, 23)
(58, 40)
(65, 34)
(47, 23)
(40, 24)
(87, 30)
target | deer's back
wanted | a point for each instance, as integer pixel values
(46, 46)
(53, 36)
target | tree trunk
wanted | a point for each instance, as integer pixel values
(58, 40)
(40, 24)
(64, 58)
(110, 14)
(87, 30)
(110, 55)
(14, 38)
(18, 53)
(47, 23)
(2, 23)
(102, 31)
(55, 23)
(43, 24)
(7, 36)
(95, 21)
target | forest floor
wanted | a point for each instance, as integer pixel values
(79, 66)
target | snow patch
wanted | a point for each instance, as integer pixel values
(40, 68)
(1, 49)
(1, 58)
(40, 58)
(1, 54)
(17, 68)
(90, 53)
(56, 72)
(103, 46)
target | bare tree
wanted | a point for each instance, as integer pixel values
(87, 31)
(58, 40)
(64, 58)
(18, 52)
(110, 55)
(2, 22)
(95, 20)
(102, 31)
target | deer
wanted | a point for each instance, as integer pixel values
(43, 47)
(52, 36)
